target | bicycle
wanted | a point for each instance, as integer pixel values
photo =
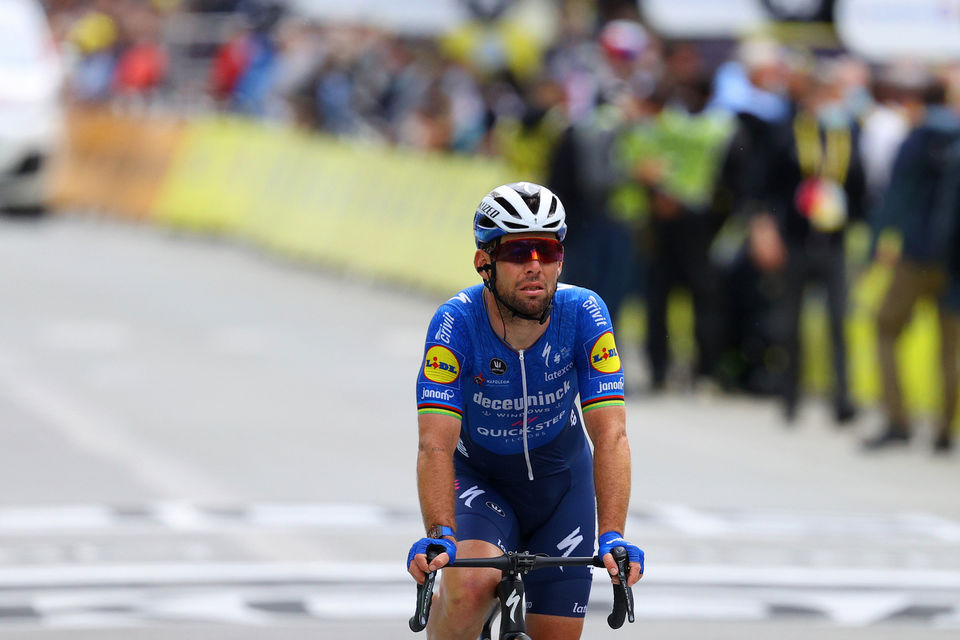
(510, 590)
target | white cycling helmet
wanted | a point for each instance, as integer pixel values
(518, 207)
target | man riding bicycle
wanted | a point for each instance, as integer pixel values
(503, 461)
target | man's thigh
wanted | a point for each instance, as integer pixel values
(484, 514)
(570, 531)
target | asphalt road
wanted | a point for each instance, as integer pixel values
(198, 440)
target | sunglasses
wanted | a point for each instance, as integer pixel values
(527, 249)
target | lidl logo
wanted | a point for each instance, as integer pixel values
(604, 357)
(441, 365)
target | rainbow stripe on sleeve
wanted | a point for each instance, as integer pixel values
(441, 409)
(615, 400)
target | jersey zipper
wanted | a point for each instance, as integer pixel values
(526, 447)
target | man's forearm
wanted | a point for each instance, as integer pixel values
(435, 484)
(611, 475)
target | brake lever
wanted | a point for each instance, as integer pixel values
(418, 622)
(622, 594)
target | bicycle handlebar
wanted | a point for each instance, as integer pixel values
(524, 563)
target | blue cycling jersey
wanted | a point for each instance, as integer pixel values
(518, 410)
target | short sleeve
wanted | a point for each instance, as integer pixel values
(600, 372)
(446, 352)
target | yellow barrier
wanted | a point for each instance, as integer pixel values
(380, 211)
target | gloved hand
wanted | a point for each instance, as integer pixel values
(611, 539)
(418, 566)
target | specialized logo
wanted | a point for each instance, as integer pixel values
(496, 509)
(498, 366)
(487, 209)
(441, 365)
(568, 544)
(603, 356)
(469, 495)
(512, 601)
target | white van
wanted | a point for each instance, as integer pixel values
(31, 116)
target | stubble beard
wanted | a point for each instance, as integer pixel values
(530, 307)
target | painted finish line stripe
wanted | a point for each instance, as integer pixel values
(728, 576)
(185, 516)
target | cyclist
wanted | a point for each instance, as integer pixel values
(503, 461)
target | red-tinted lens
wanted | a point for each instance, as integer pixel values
(526, 249)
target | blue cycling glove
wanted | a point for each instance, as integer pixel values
(612, 539)
(420, 546)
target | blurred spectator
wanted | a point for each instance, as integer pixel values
(142, 64)
(898, 104)
(94, 37)
(229, 64)
(752, 86)
(675, 156)
(816, 189)
(584, 171)
(910, 206)
(527, 140)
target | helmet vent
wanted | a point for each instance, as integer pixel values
(553, 205)
(513, 225)
(507, 206)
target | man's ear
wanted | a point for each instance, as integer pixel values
(481, 262)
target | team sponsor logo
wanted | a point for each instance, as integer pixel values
(579, 608)
(496, 509)
(559, 373)
(516, 404)
(462, 297)
(593, 308)
(470, 494)
(478, 380)
(441, 365)
(487, 209)
(498, 366)
(445, 331)
(433, 394)
(603, 356)
(512, 601)
(611, 386)
(515, 430)
(568, 544)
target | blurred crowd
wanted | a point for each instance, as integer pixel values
(737, 171)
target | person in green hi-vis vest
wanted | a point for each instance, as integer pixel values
(674, 157)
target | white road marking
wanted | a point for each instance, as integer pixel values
(53, 576)
(860, 609)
